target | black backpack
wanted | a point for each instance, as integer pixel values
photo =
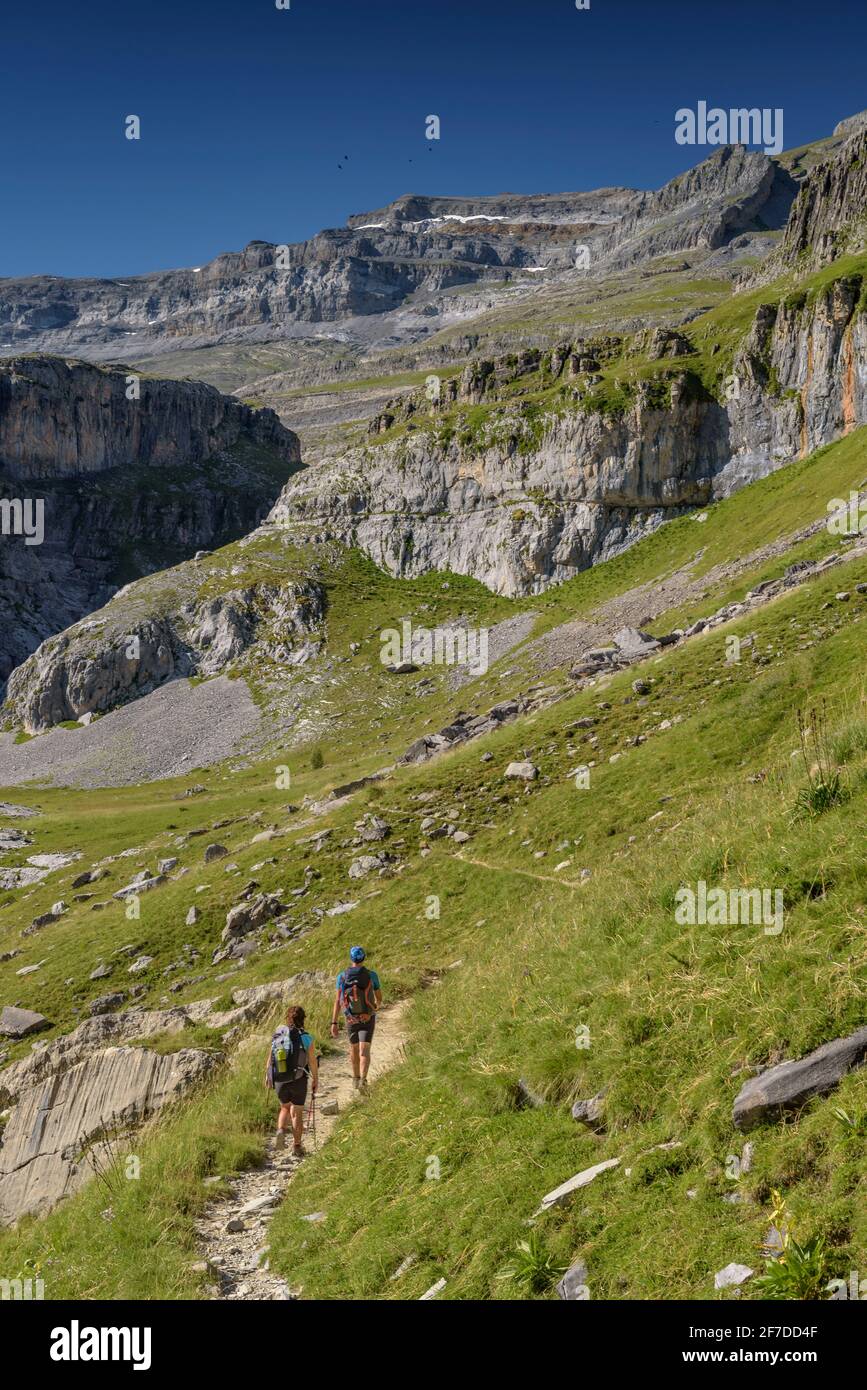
(289, 1058)
(359, 1003)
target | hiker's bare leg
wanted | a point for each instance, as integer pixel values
(365, 1060)
(283, 1118)
(298, 1124)
(353, 1058)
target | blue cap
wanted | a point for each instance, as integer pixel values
(357, 954)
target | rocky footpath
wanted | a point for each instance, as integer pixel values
(129, 486)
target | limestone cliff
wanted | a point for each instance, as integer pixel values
(129, 485)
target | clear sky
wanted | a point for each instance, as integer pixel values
(247, 111)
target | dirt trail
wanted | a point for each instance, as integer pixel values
(239, 1259)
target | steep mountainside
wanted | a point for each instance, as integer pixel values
(417, 247)
(128, 485)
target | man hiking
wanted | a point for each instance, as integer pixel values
(291, 1062)
(359, 995)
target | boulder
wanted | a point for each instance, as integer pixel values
(590, 1112)
(526, 771)
(366, 864)
(790, 1085)
(247, 916)
(20, 1023)
(105, 1004)
(214, 852)
(374, 828)
(633, 644)
(140, 885)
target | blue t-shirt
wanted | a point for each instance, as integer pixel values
(374, 980)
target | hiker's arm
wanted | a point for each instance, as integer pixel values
(314, 1067)
(377, 994)
(267, 1070)
(334, 1014)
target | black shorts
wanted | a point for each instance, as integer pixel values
(358, 1032)
(292, 1092)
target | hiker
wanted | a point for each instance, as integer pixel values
(291, 1061)
(359, 995)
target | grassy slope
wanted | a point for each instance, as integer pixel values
(671, 1011)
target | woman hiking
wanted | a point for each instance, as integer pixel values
(291, 1062)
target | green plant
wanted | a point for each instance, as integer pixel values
(854, 1126)
(824, 788)
(801, 1269)
(317, 760)
(532, 1266)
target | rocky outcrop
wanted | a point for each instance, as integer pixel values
(76, 1102)
(110, 659)
(535, 493)
(66, 1125)
(829, 215)
(736, 190)
(128, 486)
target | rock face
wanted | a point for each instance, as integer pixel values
(380, 258)
(74, 1101)
(61, 1124)
(791, 1084)
(827, 217)
(530, 501)
(118, 655)
(129, 486)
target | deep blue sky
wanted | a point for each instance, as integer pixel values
(247, 110)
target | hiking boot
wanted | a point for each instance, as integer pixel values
(280, 1141)
(356, 1083)
(362, 1083)
(299, 1151)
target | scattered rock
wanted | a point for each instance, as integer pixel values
(790, 1085)
(561, 1194)
(402, 1268)
(20, 1023)
(572, 1288)
(433, 1291)
(731, 1276)
(526, 771)
(590, 1112)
